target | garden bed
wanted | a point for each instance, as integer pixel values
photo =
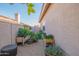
(53, 51)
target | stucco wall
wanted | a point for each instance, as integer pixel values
(5, 34)
(15, 28)
(8, 33)
(62, 20)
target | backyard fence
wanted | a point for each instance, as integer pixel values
(8, 33)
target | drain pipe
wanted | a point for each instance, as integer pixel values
(11, 33)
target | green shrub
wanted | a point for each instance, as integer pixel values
(38, 35)
(49, 37)
(41, 35)
(33, 36)
(54, 51)
(23, 32)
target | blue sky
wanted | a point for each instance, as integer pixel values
(10, 10)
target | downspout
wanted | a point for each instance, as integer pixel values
(11, 33)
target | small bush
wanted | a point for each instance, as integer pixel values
(54, 51)
(49, 37)
(23, 32)
(41, 34)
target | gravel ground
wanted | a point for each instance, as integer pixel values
(35, 49)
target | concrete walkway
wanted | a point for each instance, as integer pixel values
(35, 49)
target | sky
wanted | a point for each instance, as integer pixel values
(10, 10)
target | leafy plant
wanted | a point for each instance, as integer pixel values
(41, 34)
(30, 8)
(23, 32)
(54, 50)
(49, 37)
(34, 37)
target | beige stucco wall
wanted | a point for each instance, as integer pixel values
(15, 28)
(8, 33)
(62, 20)
(5, 34)
(36, 28)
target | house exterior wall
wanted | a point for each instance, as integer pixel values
(36, 28)
(8, 33)
(62, 20)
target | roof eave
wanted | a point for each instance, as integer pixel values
(44, 10)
